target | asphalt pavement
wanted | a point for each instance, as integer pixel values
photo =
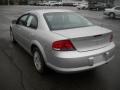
(17, 71)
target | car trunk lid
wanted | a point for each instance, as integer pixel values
(87, 38)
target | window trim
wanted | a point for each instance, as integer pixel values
(21, 17)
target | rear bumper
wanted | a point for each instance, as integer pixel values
(68, 62)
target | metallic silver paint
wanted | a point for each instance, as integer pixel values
(63, 61)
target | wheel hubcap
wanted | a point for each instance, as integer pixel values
(37, 60)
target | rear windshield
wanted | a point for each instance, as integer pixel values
(65, 20)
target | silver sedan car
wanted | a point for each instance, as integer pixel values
(62, 40)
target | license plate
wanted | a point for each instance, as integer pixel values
(99, 58)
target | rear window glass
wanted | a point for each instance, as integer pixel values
(65, 20)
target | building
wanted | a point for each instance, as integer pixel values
(117, 2)
(73, 1)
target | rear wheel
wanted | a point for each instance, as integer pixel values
(38, 61)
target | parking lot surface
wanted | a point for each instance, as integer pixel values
(17, 71)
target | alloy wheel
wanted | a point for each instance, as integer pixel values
(37, 60)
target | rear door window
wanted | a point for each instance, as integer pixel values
(32, 22)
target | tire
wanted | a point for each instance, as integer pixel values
(39, 61)
(12, 36)
(112, 15)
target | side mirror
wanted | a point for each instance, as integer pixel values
(14, 21)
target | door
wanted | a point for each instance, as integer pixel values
(20, 28)
(30, 30)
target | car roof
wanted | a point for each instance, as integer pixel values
(42, 11)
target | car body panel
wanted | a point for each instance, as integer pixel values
(82, 6)
(78, 61)
(112, 10)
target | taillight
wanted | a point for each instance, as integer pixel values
(63, 45)
(111, 37)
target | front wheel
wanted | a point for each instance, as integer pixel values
(112, 15)
(12, 36)
(38, 61)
